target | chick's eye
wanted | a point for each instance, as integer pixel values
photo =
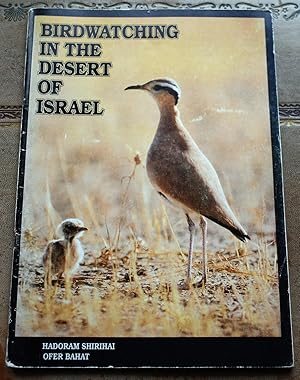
(157, 87)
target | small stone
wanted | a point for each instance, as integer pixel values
(198, 282)
(141, 272)
(184, 285)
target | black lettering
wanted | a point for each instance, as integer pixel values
(65, 31)
(83, 50)
(116, 29)
(46, 30)
(61, 106)
(69, 46)
(140, 31)
(127, 27)
(44, 86)
(49, 48)
(57, 67)
(44, 67)
(160, 31)
(172, 31)
(105, 32)
(106, 68)
(39, 105)
(78, 31)
(48, 107)
(69, 68)
(93, 69)
(92, 30)
(74, 108)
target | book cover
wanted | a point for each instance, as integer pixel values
(150, 226)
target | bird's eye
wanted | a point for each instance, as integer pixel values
(157, 87)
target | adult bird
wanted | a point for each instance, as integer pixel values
(182, 174)
(62, 256)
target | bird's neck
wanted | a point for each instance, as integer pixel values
(70, 240)
(169, 116)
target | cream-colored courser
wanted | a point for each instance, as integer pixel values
(181, 173)
(62, 256)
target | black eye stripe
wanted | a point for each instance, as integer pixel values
(157, 87)
(170, 90)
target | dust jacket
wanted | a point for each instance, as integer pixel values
(150, 226)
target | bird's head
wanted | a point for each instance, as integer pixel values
(165, 91)
(70, 228)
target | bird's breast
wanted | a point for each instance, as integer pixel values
(164, 157)
(75, 255)
(177, 168)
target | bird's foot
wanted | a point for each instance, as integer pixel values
(199, 281)
(184, 284)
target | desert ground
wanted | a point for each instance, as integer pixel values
(129, 281)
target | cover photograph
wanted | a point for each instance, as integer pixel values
(150, 226)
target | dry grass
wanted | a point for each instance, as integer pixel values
(127, 286)
(137, 295)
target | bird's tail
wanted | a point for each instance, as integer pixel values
(238, 232)
(243, 236)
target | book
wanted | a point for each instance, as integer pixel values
(150, 232)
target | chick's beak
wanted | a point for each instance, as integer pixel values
(135, 87)
(82, 229)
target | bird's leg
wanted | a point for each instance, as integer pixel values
(47, 270)
(190, 257)
(47, 276)
(67, 274)
(203, 226)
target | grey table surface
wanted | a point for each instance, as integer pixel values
(12, 44)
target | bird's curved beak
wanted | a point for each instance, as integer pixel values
(135, 87)
(82, 229)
